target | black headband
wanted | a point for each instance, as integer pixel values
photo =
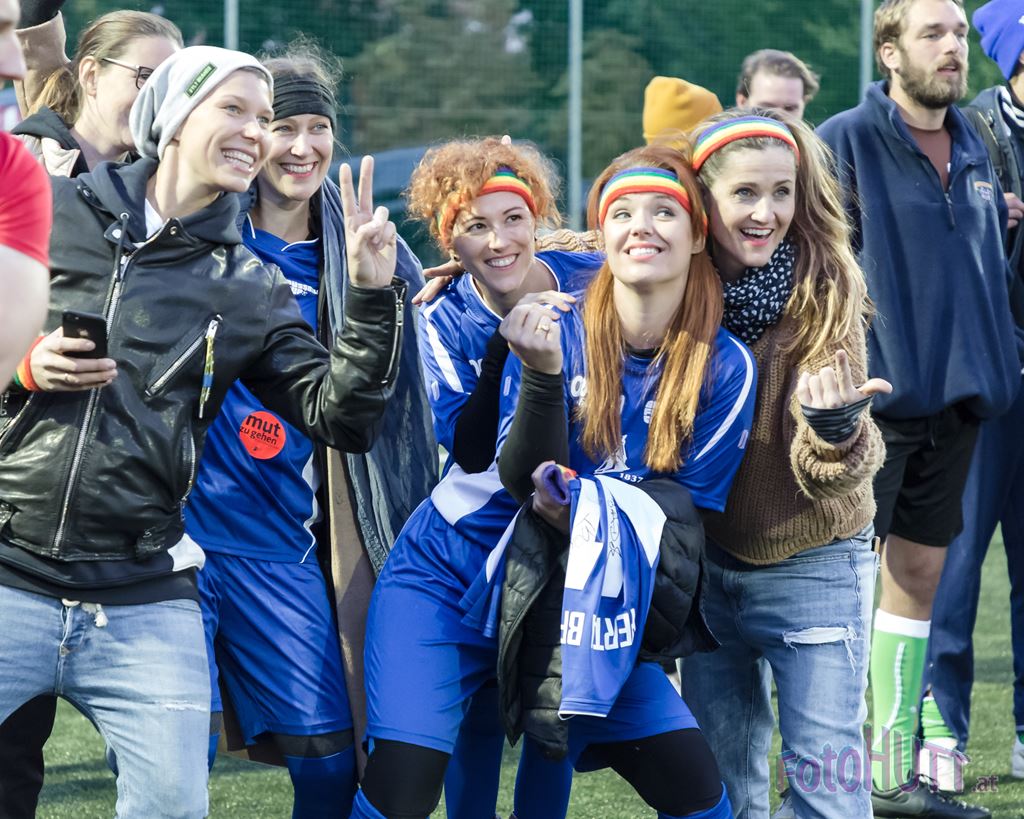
(295, 95)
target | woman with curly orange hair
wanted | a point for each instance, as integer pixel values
(483, 200)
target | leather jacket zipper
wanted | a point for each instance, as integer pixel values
(123, 260)
(15, 421)
(207, 335)
(191, 466)
(396, 339)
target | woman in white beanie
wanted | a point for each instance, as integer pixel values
(94, 564)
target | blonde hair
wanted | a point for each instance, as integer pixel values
(890, 20)
(685, 353)
(452, 174)
(107, 37)
(829, 291)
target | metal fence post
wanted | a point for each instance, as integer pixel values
(575, 174)
(231, 24)
(867, 57)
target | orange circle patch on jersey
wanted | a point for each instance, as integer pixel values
(263, 435)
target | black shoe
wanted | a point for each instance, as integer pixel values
(923, 801)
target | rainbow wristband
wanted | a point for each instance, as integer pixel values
(23, 375)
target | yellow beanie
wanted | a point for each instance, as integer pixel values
(675, 106)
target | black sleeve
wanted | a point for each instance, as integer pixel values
(476, 430)
(539, 432)
(338, 399)
(835, 425)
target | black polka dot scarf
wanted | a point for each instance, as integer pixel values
(755, 302)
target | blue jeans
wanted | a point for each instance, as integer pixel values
(994, 495)
(805, 621)
(142, 678)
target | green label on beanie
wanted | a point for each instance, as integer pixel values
(200, 78)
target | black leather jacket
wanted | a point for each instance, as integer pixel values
(103, 475)
(529, 638)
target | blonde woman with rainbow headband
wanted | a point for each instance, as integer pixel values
(482, 200)
(791, 569)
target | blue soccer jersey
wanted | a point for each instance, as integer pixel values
(453, 333)
(720, 429)
(255, 491)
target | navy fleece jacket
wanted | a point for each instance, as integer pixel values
(934, 262)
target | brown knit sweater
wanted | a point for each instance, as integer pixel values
(794, 491)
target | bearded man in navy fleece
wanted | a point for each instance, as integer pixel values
(929, 225)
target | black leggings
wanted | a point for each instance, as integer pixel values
(22, 736)
(675, 773)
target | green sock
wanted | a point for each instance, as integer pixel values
(899, 647)
(933, 726)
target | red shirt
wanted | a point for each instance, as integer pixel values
(26, 203)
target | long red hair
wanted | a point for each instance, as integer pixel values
(685, 353)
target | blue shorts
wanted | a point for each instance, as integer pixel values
(423, 663)
(270, 636)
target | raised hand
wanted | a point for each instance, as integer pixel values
(532, 332)
(833, 387)
(54, 370)
(371, 241)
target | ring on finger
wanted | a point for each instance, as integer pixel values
(544, 327)
(67, 379)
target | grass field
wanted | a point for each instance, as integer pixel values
(79, 786)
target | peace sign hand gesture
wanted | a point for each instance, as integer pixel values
(371, 243)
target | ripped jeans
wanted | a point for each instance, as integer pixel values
(138, 672)
(806, 622)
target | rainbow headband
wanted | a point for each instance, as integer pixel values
(642, 180)
(504, 179)
(722, 134)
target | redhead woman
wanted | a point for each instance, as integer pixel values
(639, 386)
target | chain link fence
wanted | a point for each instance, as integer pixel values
(419, 71)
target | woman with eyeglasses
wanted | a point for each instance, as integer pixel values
(79, 117)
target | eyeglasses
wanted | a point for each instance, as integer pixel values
(142, 72)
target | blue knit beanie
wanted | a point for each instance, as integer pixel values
(1001, 26)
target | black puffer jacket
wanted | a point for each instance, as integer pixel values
(102, 475)
(529, 645)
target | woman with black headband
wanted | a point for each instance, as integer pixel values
(256, 508)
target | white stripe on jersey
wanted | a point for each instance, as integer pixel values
(444, 361)
(459, 494)
(311, 475)
(741, 399)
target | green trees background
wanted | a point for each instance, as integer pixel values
(417, 71)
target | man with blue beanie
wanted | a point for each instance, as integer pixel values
(928, 229)
(995, 485)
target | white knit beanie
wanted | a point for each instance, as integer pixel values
(176, 87)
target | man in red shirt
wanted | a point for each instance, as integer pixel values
(25, 218)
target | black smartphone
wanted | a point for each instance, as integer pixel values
(86, 325)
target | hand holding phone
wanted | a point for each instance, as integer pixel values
(58, 364)
(89, 326)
